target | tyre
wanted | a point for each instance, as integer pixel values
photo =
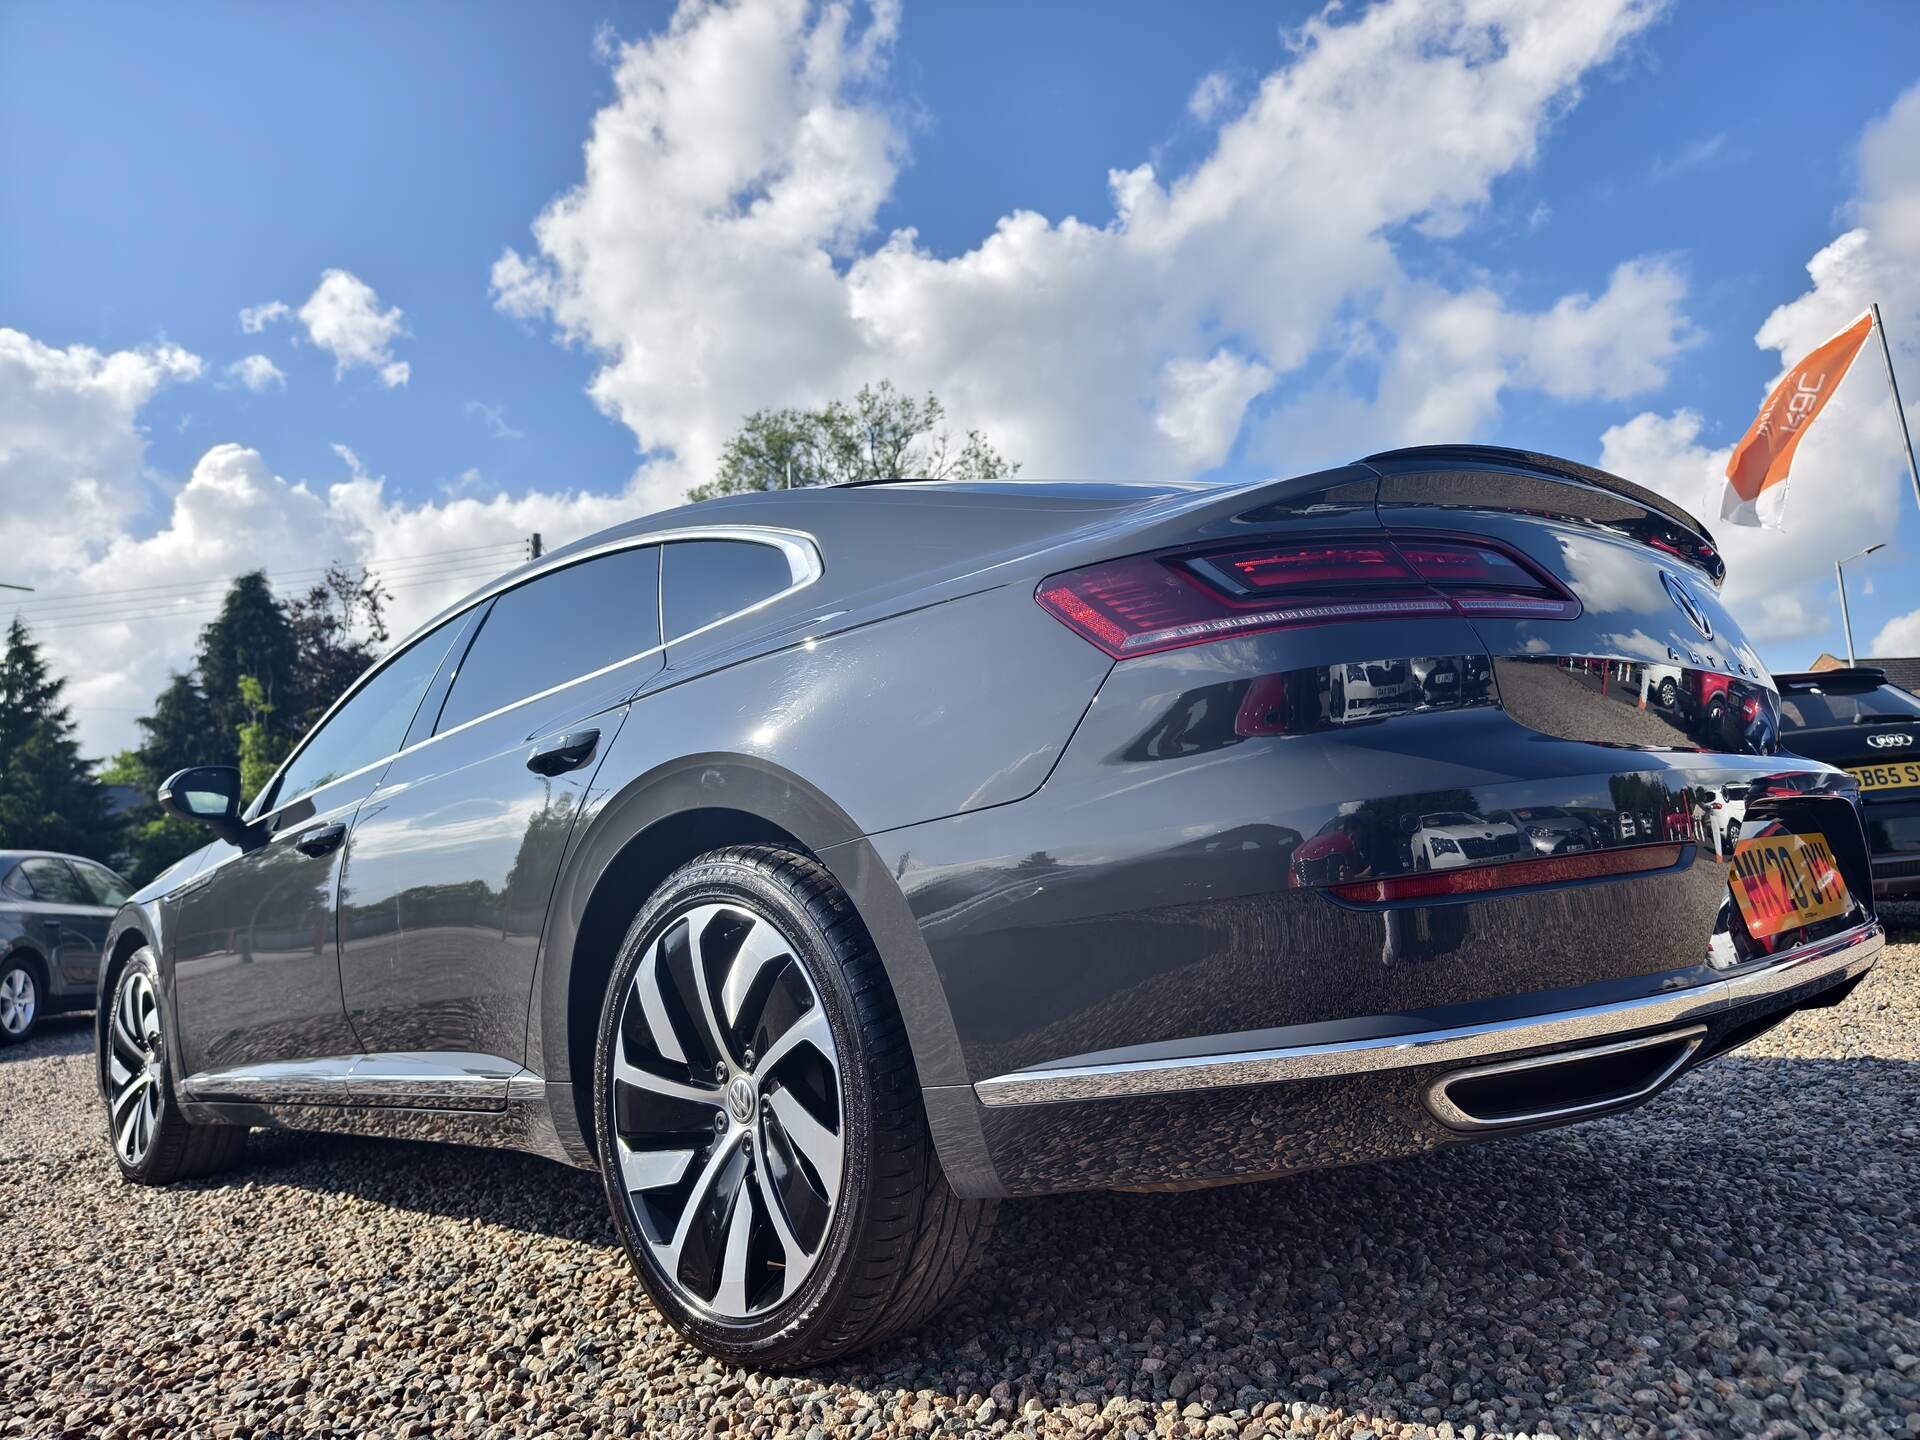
(23, 984)
(759, 1122)
(1669, 694)
(153, 1143)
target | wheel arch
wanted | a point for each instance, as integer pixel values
(645, 828)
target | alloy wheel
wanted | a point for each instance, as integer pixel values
(18, 999)
(727, 1116)
(134, 1068)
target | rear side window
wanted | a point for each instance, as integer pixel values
(17, 885)
(54, 883)
(557, 628)
(708, 580)
(107, 887)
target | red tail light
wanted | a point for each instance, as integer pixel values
(1148, 603)
(1511, 875)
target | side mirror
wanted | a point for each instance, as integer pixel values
(209, 794)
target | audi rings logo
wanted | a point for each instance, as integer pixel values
(1688, 605)
(1888, 742)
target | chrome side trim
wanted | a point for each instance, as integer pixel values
(432, 1080)
(1450, 1112)
(1833, 959)
(803, 564)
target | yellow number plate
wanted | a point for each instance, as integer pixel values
(1895, 775)
(1781, 882)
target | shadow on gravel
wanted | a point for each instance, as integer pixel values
(65, 1034)
(1758, 1221)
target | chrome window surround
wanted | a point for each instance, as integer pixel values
(803, 562)
(1833, 959)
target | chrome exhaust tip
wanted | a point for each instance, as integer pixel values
(1564, 1085)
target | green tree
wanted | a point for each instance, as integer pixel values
(339, 628)
(882, 435)
(180, 732)
(250, 637)
(49, 797)
(261, 751)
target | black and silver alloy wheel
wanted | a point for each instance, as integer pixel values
(759, 1122)
(726, 1109)
(135, 1087)
(19, 1001)
(153, 1142)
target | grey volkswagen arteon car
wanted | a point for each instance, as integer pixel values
(826, 866)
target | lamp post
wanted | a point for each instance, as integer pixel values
(5, 586)
(1846, 621)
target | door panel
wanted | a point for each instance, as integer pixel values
(256, 947)
(255, 971)
(449, 869)
(66, 922)
(452, 861)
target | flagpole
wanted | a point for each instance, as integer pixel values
(1886, 350)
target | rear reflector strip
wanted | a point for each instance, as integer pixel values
(1148, 603)
(1510, 875)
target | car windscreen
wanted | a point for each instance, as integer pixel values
(1818, 709)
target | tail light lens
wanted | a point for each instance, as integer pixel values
(1148, 603)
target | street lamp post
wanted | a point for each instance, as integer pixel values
(5, 586)
(1846, 621)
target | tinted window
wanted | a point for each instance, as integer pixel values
(54, 883)
(557, 628)
(372, 724)
(107, 887)
(708, 580)
(17, 884)
(1815, 710)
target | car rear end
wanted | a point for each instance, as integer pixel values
(1855, 719)
(1214, 944)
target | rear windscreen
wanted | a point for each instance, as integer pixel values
(1814, 710)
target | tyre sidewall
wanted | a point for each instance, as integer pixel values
(728, 880)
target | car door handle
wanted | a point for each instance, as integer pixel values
(323, 841)
(563, 752)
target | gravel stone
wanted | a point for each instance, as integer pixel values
(1738, 1258)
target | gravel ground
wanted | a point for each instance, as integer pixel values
(1739, 1258)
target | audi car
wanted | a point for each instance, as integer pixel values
(826, 867)
(1854, 719)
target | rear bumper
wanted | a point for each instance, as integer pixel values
(1814, 967)
(1204, 1118)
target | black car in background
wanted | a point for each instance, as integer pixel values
(825, 866)
(54, 914)
(1854, 719)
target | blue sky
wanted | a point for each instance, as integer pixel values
(187, 163)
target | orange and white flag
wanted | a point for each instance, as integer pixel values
(1756, 488)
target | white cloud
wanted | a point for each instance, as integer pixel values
(1849, 477)
(72, 455)
(343, 316)
(1899, 636)
(256, 318)
(1210, 97)
(496, 418)
(1694, 153)
(257, 372)
(720, 252)
(235, 514)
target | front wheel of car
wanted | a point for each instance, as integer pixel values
(1669, 694)
(153, 1143)
(759, 1122)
